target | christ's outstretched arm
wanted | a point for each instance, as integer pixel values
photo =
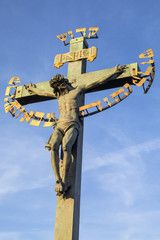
(38, 91)
(87, 86)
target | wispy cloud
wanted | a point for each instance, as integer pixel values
(124, 169)
(139, 224)
(36, 234)
(129, 224)
(10, 235)
(23, 165)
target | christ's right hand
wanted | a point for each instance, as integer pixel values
(29, 87)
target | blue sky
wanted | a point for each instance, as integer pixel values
(120, 179)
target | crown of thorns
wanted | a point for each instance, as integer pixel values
(58, 80)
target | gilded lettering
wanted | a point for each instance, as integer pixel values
(7, 98)
(94, 104)
(151, 61)
(117, 93)
(71, 33)
(82, 31)
(62, 37)
(90, 54)
(27, 116)
(147, 54)
(148, 71)
(21, 111)
(127, 86)
(38, 115)
(139, 83)
(107, 100)
(14, 80)
(9, 106)
(49, 123)
(92, 31)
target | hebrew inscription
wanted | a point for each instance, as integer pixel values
(36, 118)
(148, 76)
(92, 34)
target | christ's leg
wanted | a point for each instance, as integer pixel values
(56, 140)
(67, 143)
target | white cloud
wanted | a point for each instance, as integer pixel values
(10, 235)
(129, 224)
(124, 170)
(23, 164)
(119, 135)
(33, 234)
(139, 224)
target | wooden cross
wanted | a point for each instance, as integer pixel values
(68, 208)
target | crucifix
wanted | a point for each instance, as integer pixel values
(68, 129)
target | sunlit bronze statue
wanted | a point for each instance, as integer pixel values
(67, 127)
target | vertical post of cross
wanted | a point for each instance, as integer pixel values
(68, 207)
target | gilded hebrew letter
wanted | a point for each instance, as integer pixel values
(82, 31)
(147, 54)
(92, 31)
(127, 86)
(21, 111)
(27, 116)
(7, 98)
(37, 122)
(139, 84)
(11, 105)
(115, 94)
(151, 61)
(148, 71)
(106, 100)
(14, 80)
(71, 33)
(49, 123)
(62, 37)
(94, 104)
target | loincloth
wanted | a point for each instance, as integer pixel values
(63, 127)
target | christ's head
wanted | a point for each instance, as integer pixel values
(60, 85)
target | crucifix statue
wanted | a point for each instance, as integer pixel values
(68, 129)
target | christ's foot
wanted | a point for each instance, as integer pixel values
(59, 187)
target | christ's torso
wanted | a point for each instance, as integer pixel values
(68, 107)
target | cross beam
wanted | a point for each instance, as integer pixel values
(24, 97)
